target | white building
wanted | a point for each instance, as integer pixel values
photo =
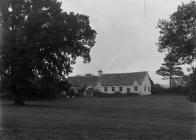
(124, 83)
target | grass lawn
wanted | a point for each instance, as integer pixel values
(116, 118)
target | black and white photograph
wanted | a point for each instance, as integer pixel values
(97, 70)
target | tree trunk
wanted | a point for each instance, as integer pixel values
(170, 82)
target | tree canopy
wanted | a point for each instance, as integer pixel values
(178, 34)
(40, 43)
(170, 70)
(178, 38)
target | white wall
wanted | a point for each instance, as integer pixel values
(141, 88)
(146, 83)
(124, 88)
(109, 89)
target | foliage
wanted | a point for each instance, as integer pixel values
(192, 96)
(157, 89)
(169, 69)
(40, 44)
(116, 94)
(178, 34)
(89, 74)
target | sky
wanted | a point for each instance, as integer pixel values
(126, 34)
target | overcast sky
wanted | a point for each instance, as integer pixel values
(126, 36)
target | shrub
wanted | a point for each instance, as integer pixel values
(116, 94)
(192, 95)
(158, 89)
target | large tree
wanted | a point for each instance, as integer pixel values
(178, 34)
(40, 44)
(170, 70)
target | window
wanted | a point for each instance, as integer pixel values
(135, 88)
(99, 89)
(120, 88)
(128, 90)
(105, 89)
(113, 88)
(145, 88)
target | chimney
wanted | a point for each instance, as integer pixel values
(100, 72)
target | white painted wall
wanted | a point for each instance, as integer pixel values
(141, 88)
(148, 85)
(124, 89)
(117, 88)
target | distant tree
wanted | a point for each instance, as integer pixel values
(178, 34)
(89, 74)
(157, 89)
(40, 43)
(170, 70)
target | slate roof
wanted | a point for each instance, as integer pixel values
(113, 79)
(83, 80)
(122, 78)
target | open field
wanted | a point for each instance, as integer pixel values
(121, 118)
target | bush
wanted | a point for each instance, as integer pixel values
(116, 94)
(157, 89)
(179, 90)
(192, 95)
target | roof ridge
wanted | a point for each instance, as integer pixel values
(83, 76)
(125, 73)
(110, 79)
(108, 74)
